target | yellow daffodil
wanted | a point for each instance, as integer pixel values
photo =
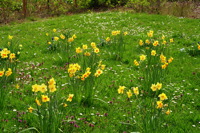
(87, 54)
(84, 46)
(45, 98)
(164, 66)
(54, 30)
(150, 33)
(62, 36)
(8, 72)
(6, 51)
(155, 43)
(114, 33)
(159, 85)
(30, 109)
(10, 37)
(107, 39)
(78, 50)
(93, 44)
(12, 56)
(2, 73)
(147, 41)
(56, 38)
(141, 42)
(121, 89)
(70, 97)
(170, 60)
(198, 47)
(171, 40)
(43, 88)
(17, 86)
(153, 52)
(64, 105)
(103, 67)
(35, 88)
(142, 57)
(38, 102)
(159, 104)
(88, 69)
(70, 39)
(52, 81)
(164, 42)
(4, 54)
(168, 112)
(136, 63)
(96, 50)
(98, 73)
(52, 88)
(125, 33)
(153, 87)
(136, 90)
(129, 93)
(162, 96)
(74, 36)
(163, 37)
(162, 58)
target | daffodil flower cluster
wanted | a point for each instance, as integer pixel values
(6, 54)
(115, 43)
(142, 58)
(153, 61)
(43, 89)
(85, 49)
(155, 87)
(46, 97)
(59, 40)
(155, 43)
(86, 74)
(130, 92)
(162, 96)
(100, 69)
(73, 68)
(117, 32)
(6, 73)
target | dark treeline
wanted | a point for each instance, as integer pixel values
(19, 9)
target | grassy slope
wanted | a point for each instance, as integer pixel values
(91, 27)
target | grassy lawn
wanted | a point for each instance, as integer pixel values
(97, 105)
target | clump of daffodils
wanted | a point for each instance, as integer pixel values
(115, 43)
(154, 60)
(49, 105)
(59, 41)
(88, 51)
(5, 73)
(45, 93)
(73, 68)
(85, 77)
(162, 97)
(129, 92)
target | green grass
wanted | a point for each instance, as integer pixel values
(110, 112)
